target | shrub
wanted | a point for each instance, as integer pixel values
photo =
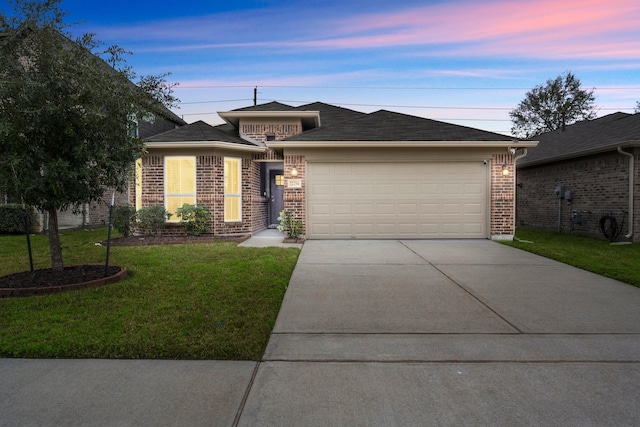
(153, 218)
(287, 224)
(123, 219)
(194, 219)
(12, 219)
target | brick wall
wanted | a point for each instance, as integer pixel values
(210, 193)
(294, 198)
(502, 197)
(599, 184)
(259, 131)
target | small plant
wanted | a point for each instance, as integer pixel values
(153, 218)
(288, 225)
(123, 219)
(194, 219)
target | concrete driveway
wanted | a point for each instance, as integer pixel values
(382, 333)
(422, 332)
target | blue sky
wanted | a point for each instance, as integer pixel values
(464, 62)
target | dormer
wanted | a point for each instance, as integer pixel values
(271, 122)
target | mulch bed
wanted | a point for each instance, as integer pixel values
(172, 240)
(82, 276)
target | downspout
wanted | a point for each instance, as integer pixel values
(515, 175)
(631, 174)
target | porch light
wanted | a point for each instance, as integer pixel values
(294, 171)
(505, 170)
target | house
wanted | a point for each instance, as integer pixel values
(161, 120)
(341, 173)
(582, 176)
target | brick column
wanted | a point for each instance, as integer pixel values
(502, 198)
(294, 198)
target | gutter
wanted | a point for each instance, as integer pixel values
(515, 175)
(631, 174)
(398, 144)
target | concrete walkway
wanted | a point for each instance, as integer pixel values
(270, 237)
(382, 333)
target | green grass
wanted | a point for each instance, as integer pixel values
(196, 301)
(620, 262)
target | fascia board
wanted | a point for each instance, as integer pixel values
(574, 155)
(386, 144)
(205, 144)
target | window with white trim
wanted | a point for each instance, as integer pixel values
(179, 183)
(232, 189)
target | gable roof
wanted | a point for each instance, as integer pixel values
(385, 125)
(587, 137)
(269, 106)
(27, 28)
(201, 134)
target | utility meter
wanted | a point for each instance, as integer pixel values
(558, 191)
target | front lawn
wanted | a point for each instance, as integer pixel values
(195, 301)
(620, 262)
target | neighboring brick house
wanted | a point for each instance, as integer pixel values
(97, 213)
(341, 173)
(576, 177)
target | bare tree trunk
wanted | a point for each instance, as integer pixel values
(55, 249)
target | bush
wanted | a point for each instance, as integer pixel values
(153, 218)
(194, 219)
(123, 219)
(12, 219)
(287, 224)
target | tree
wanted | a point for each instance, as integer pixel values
(560, 102)
(65, 113)
(637, 110)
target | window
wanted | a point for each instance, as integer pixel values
(279, 179)
(232, 189)
(179, 183)
(138, 184)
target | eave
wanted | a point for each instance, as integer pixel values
(584, 153)
(401, 144)
(205, 144)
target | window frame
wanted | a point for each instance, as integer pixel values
(173, 217)
(235, 196)
(138, 184)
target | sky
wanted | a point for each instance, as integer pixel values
(462, 61)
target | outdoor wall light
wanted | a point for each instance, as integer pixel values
(294, 171)
(505, 170)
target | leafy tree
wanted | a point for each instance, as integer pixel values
(560, 102)
(637, 110)
(66, 107)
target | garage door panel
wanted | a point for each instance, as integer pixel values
(387, 200)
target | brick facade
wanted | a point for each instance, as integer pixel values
(294, 198)
(210, 193)
(502, 197)
(259, 131)
(599, 185)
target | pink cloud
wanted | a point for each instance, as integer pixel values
(542, 27)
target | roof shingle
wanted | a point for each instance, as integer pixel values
(585, 137)
(390, 126)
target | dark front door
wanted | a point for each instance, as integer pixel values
(276, 190)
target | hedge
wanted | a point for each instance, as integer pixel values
(12, 219)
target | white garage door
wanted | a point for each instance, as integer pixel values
(397, 200)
